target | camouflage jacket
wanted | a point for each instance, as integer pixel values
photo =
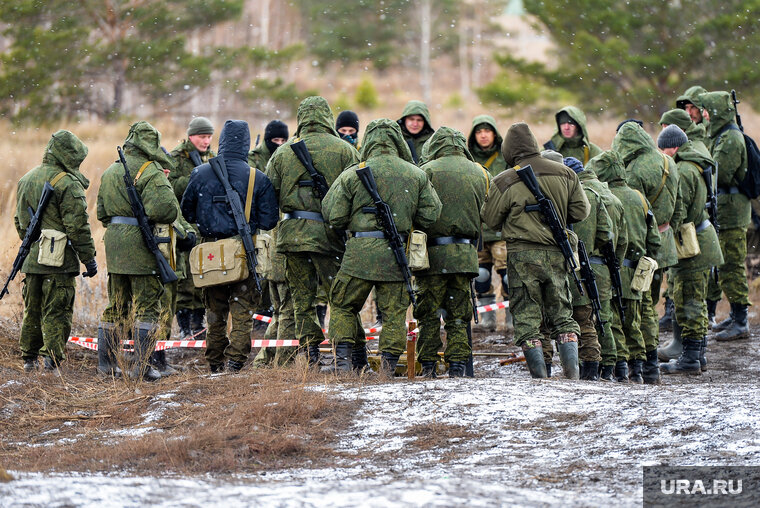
(491, 159)
(579, 147)
(695, 132)
(400, 183)
(126, 252)
(508, 196)
(462, 186)
(67, 210)
(331, 157)
(179, 176)
(417, 141)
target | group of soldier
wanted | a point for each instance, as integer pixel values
(481, 222)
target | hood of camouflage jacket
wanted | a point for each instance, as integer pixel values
(383, 137)
(691, 95)
(416, 108)
(632, 141)
(721, 110)
(608, 167)
(235, 140)
(688, 152)
(446, 141)
(519, 144)
(67, 151)
(682, 119)
(314, 115)
(144, 139)
(578, 117)
(472, 144)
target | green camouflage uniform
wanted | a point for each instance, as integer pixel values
(579, 147)
(643, 240)
(369, 262)
(312, 248)
(693, 95)
(694, 132)
(49, 291)
(734, 210)
(259, 157)
(416, 142)
(536, 269)
(462, 186)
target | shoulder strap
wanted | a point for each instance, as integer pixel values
(699, 168)
(142, 168)
(643, 201)
(585, 154)
(665, 174)
(249, 195)
(491, 159)
(57, 178)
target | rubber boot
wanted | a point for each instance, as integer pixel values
(143, 343)
(702, 357)
(486, 320)
(636, 367)
(688, 362)
(196, 323)
(650, 373)
(674, 349)
(725, 323)
(590, 371)
(342, 359)
(711, 306)
(567, 346)
(183, 321)
(666, 321)
(107, 343)
(359, 357)
(548, 369)
(534, 357)
(313, 352)
(321, 315)
(456, 369)
(621, 371)
(158, 361)
(388, 364)
(738, 328)
(429, 370)
(608, 373)
(216, 369)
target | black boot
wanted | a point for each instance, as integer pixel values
(313, 351)
(590, 371)
(711, 306)
(429, 369)
(50, 364)
(388, 363)
(107, 344)
(688, 362)
(666, 321)
(738, 329)
(548, 369)
(158, 360)
(234, 366)
(702, 357)
(607, 373)
(456, 369)
(321, 315)
(341, 359)
(196, 323)
(621, 371)
(534, 357)
(726, 323)
(183, 321)
(216, 368)
(651, 371)
(143, 343)
(636, 367)
(30, 364)
(359, 357)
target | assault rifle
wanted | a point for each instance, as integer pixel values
(712, 205)
(613, 265)
(551, 219)
(165, 271)
(32, 234)
(320, 184)
(388, 225)
(589, 280)
(243, 227)
(736, 101)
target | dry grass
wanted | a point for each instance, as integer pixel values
(439, 435)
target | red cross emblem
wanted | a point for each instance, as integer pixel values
(210, 257)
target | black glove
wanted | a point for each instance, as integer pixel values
(187, 243)
(92, 268)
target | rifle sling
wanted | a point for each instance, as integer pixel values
(665, 174)
(249, 195)
(57, 178)
(491, 159)
(142, 168)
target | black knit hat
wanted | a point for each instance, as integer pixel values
(671, 137)
(275, 129)
(641, 124)
(347, 119)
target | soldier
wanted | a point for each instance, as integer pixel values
(571, 138)
(275, 134)
(643, 240)
(655, 175)
(484, 143)
(536, 269)
(50, 281)
(312, 248)
(201, 204)
(690, 274)
(369, 262)
(133, 286)
(729, 152)
(196, 149)
(416, 127)
(347, 125)
(691, 103)
(462, 186)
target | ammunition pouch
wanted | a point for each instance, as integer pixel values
(416, 251)
(642, 277)
(687, 245)
(166, 239)
(52, 245)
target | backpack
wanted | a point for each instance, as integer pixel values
(750, 186)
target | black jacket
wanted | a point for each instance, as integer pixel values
(204, 201)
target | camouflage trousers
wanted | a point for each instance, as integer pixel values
(236, 301)
(188, 296)
(48, 311)
(629, 342)
(607, 343)
(282, 327)
(451, 293)
(306, 272)
(689, 292)
(650, 320)
(137, 298)
(732, 274)
(347, 298)
(538, 288)
(588, 343)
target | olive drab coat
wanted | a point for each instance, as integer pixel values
(126, 252)
(179, 176)
(415, 142)
(400, 183)
(462, 186)
(331, 156)
(730, 154)
(655, 175)
(508, 196)
(67, 210)
(259, 157)
(490, 158)
(580, 146)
